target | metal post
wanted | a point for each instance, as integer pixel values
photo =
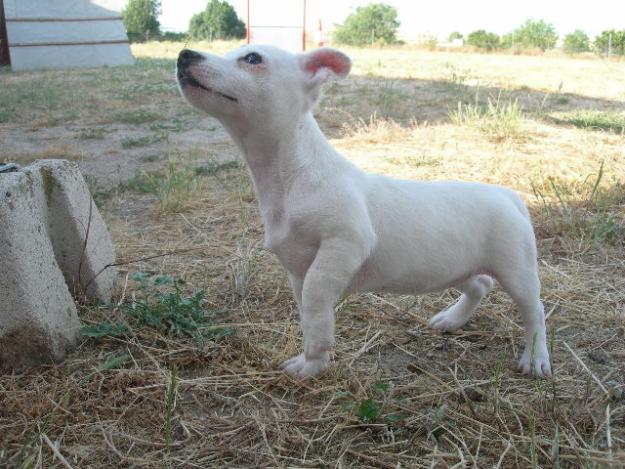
(304, 28)
(247, 29)
(5, 54)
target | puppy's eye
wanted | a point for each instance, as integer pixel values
(253, 58)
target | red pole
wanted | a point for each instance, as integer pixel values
(5, 55)
(304, 29)
(247, 29)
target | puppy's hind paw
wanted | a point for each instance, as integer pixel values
(538, 366)
(449, 320)
(301, 367)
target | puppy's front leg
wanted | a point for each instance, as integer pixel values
(333, 269)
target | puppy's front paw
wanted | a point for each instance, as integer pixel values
(537, 365)
(303, 368)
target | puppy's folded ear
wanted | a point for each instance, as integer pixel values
(321, 65)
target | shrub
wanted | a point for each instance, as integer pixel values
(532, 33)
(373, 23)
(217, 21)
(455, 35)
(483, 39)
(576, 42)
(616, 45)
(140, 19)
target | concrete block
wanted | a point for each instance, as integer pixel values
(53, 242)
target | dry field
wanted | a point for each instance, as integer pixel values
(181, 369)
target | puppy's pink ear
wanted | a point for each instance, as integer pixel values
(324, 64)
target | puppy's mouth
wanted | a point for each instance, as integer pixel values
(187, 80)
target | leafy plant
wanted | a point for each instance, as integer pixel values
(141, 19)
(172, 312)
(169, 311)
(482, 39)
(598, 120)
(104, 329)
(583, 209)
(499, 119)
(576, 42)
(455, 35)
(372, 409)
(218, 21)
(535, 33)
(610, 42)
(376, 22)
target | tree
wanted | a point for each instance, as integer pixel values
(141, 19)
(455, 35)
(576, 42)
(217, 21)
(376, 22)
(535, 34)
(483, 39)
(611, 39)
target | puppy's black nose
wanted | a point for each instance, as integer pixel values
(187, 57)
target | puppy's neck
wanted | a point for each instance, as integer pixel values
(277, 157)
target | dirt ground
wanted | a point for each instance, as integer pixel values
(169, 182)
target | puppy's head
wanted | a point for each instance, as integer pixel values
(261, 85)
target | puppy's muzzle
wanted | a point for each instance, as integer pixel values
(186, 58)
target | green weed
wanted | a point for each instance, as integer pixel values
(373, 408)
(129, 142)
(598, 120)
(172, 312)
(135, 116)
(167, 311)
(499, 120)
(171, 188)
(583, 209)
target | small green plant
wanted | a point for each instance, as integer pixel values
(135, 116)
(371, 410)
(172, 312)
(129, 142)
(213, 167)
(598, 120)
(583, 209)
(96, 133)
(104, 329)
(159, 303)
(171, 188)
(113, 362)
(499, 120)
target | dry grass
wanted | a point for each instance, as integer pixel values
(398, 395)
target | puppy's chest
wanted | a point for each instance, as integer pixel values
(295, 249)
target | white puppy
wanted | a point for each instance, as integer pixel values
(337, 229)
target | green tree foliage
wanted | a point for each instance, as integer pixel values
(576, 42)
(602, 42)
(455, 35)
(217, 21)
(537, 34)
(141, 19)
(483, 39)
(377, 21)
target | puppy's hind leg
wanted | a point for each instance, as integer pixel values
(458, 314)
